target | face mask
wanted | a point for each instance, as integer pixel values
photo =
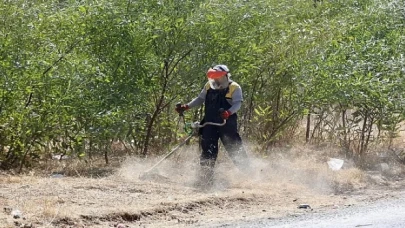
(220, 83)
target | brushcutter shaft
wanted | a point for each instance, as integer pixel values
(170, 153)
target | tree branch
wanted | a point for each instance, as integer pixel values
(178, 61)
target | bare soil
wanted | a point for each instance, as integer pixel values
(168, 198)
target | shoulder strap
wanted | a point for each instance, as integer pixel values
(207, 86)
(232, 87)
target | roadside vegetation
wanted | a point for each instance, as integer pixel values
(83, 78)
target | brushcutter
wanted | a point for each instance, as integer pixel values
(192, 130)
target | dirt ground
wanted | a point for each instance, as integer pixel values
(275, 189)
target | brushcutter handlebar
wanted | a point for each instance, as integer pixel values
(198, 125)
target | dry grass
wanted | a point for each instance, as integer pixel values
(46, 210)
(94, 168)
(17, 179)
(279, 181)
(349, 179)
(9, 179)
(306, 165)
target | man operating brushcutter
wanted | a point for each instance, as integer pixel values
(219, 93)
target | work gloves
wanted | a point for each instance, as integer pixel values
(180, 108)
(225, 114)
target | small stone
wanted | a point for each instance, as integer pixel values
(57, 175)
(16, 214)
(304, 206)
(384, 167)
(7, 210)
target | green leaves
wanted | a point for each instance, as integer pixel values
(90, 72)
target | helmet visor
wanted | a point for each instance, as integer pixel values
(213, 74)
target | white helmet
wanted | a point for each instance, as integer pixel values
(218, 77)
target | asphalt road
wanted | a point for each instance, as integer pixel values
(382, 214)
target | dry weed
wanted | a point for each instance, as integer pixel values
(276, 182)
(8, 179)
(18, 179)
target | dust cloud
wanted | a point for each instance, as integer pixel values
(296, 168)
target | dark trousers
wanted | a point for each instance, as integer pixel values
(230, 139)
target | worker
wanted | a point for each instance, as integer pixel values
(219, 93)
